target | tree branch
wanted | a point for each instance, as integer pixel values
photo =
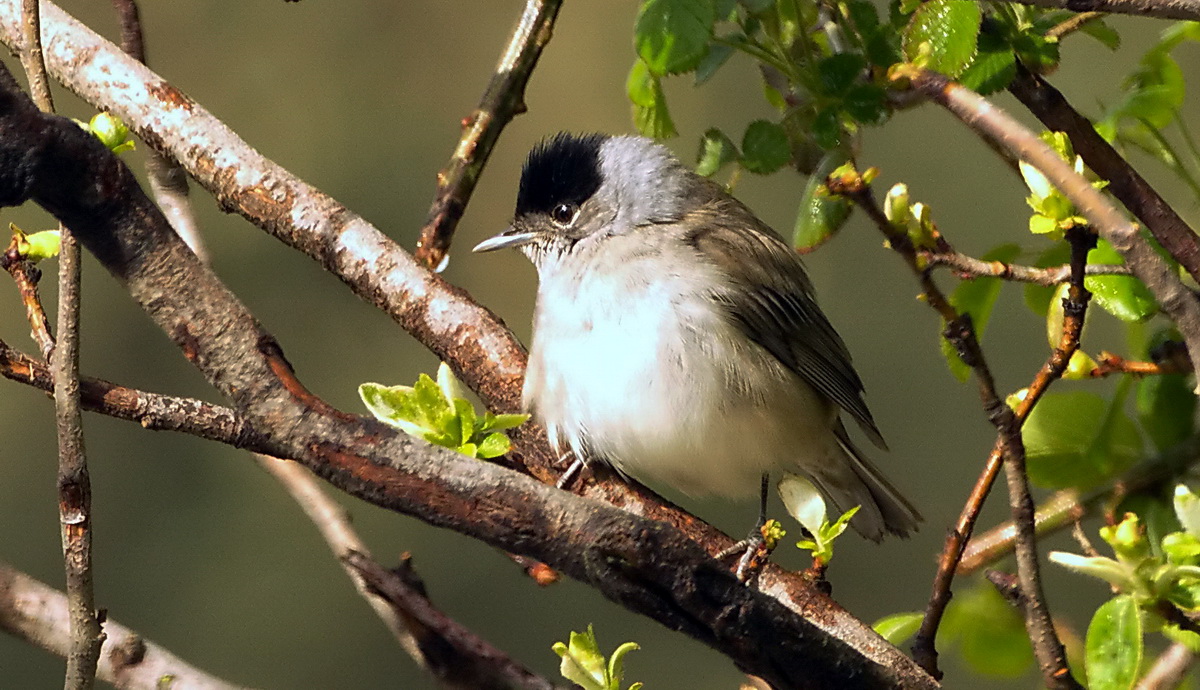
(1162, 9)
(457, 657)
(991, 123)
(37, 613)
(1137, 195)
(648, 566)
(503, 100)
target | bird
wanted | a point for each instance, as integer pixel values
(677, 337)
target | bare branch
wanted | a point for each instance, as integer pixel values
(646, 565)
(74, 482)
(1162, 9)
(37, 613)
(1169, 669)
(457, 657)
(26, 275)
(971, 267)
(503, 99)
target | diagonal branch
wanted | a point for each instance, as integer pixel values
(503, 100)
(1162, 9)
(648, 566)
(1137, 195)
(37, 613)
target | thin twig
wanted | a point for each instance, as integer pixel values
(1169, 669)
(457, 657)
(968, 266)
(334, 525)
(993, 124)
(1162, 9)
(74, 482)
(1072, 24)
(1062, 508)
(503, 100)
(37, 613)
(168, 181)
(960, 332)
(1135, 193)
(1108, 364)
(27, 275)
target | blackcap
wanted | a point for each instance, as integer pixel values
(677, 337)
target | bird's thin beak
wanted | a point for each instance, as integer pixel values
(509, 238)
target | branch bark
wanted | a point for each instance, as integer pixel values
(37, 613)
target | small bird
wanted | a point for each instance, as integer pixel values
(677, 337)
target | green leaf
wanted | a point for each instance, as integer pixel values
(1125, 297)
(1166, 407)
(650, 114)
(1187, 510)
(493, 446)
(582, 661)
(866, 104)
(993, 67)
(718, 54)
(40, 245)
(1105, 34)
(394, 405)
(839, 72)
(990, 632)
(821, 213)
(827, 128)
(1114, 645)
(1077, 439)
(950, 27)
(976, 297)
(716, 151)
(672, 36)
(765, 147)
(898, 627)
(500, 422)
(616, 663)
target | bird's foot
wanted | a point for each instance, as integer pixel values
(573, 470)
(755, 550)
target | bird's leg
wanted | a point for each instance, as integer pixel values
(755, 549)
(577, 464)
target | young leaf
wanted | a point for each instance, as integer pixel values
(977, 297)
(718, 54)
(650, 114)
(898, 627)
(716, 151)
(1114, 645)
(1125, 297)
(821, 213)
(672, 36)
(950, 29)
(765, 148)
(1076, 439)
(493, 446)
(993, 67)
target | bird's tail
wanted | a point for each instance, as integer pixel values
(853, 480)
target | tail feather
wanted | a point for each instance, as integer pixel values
(884, 509)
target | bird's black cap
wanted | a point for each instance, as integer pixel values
(564, 168)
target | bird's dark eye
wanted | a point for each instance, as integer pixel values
(564, 213)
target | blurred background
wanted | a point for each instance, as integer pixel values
(203, 553)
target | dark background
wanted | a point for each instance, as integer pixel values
(201, 552)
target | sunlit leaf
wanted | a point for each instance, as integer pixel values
(1077, 439)
(1114, 645)
(950, 28)
(671, 36)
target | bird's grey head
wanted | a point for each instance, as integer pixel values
(575, 187)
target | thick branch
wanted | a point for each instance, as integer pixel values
(646, 565)
(37, 613)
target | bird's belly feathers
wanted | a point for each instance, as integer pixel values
(663, 388)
